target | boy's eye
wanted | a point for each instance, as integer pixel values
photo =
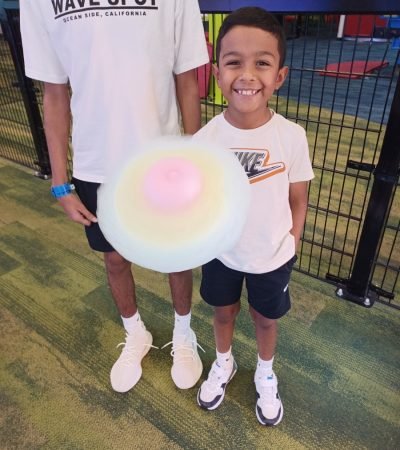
(232, 62)
(263, 63)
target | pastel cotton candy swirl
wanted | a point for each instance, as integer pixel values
(172, 184)
(174, 206)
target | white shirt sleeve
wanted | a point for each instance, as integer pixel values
(300, 168)
(41, 61)
(190, 42)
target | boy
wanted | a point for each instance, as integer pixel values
(130, 65)
(250, 54)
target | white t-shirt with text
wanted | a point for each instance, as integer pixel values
(273, 156)
(120, 58)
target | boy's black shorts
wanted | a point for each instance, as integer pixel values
(268, 293)
(87, 192)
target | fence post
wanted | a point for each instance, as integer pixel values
(10, 26)
(358, 287)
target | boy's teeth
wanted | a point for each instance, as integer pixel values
(247, 91)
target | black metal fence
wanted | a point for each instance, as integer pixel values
(16, 138)
(342, 88)
(21, 129)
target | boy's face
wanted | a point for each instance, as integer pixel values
(248, 74)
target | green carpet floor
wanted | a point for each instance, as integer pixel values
(338, 364)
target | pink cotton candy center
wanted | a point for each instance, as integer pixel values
(172, 184)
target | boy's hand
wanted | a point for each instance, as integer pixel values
(76, 210)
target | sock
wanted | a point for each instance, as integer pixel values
(182, 323)
(265, 365)
(131, 322)
(225, 359)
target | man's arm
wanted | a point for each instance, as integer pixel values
(187, 92)
(298, 200)
(57, 120)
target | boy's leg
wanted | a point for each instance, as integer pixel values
(221, 288)
(269, 408)
(212, 391)
(269, 300)
(266, 334)
(187, 366)
(224, 325)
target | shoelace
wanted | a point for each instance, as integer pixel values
(182, 351)
(213, 382)
(267, 389)
(131, 349)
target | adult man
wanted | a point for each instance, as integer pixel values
(128, 63)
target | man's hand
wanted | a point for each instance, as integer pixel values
(76, 210)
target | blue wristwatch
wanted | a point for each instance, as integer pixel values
(62, 190)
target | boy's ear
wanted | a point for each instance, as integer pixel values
(282, 74)
(215, 70)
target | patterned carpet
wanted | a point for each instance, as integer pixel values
(338, 364)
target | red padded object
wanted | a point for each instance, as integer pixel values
(352, 69)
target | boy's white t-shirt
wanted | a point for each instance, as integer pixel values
(273, 156)
(120, 58)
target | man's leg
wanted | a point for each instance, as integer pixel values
(187, 366)
(127, 370)
(122, 285)
(181, 285)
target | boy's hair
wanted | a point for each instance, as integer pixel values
(252, 16)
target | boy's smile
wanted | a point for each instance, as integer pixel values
(248, 74)
(247, 91)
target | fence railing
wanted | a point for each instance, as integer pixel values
(344, 69)
(20, 115)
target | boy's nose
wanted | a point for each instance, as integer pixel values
(247, 75)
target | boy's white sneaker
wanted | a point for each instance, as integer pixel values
(187, 366)
(212, 391)
(127, 370)
(269, 408)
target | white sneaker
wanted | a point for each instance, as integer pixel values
(269, 408)
(127, 370)
(187, 366)
(212, 391)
